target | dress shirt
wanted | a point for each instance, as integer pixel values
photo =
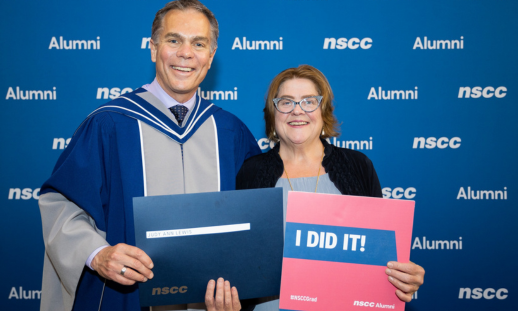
(155, 89)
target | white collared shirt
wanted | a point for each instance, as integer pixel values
(155, 89)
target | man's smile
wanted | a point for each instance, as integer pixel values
(184, 69)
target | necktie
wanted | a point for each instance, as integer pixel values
(179, 111)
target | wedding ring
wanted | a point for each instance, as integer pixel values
(123, 270)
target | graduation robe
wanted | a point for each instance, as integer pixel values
(129, 147)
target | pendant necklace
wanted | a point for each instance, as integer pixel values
(318, 176)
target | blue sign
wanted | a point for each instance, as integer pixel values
(340, 244)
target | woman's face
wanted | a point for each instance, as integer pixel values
(298, 127)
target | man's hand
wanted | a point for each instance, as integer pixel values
(406, 277)
(110, 261)
(227, 298)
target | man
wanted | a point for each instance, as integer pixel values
(135, 146)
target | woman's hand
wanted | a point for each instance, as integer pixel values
(406, 277)
(226, 299)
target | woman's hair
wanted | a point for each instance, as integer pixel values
(323, 88)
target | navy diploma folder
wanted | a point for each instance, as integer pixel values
(192, 238)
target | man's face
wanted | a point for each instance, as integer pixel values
(182, 55)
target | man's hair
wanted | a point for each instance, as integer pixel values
(323, 88)
(184, 5)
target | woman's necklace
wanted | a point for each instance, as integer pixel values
(318, 176)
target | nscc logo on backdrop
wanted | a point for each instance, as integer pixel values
(265, 143)
(344, 43)
(399, 193)
(145, 43)
(112, 93)
(433, 142)
(485, 92)
(60, 143)
(24, 194)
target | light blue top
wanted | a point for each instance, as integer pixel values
(303, 184)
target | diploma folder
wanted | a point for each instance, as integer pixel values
(192, 238)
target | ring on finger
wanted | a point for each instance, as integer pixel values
(123, 270)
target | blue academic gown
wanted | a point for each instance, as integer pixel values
(102, 169)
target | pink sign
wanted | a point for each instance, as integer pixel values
(336, 249)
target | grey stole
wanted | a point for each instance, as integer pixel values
(165, 172)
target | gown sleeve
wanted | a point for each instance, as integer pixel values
(71, 205)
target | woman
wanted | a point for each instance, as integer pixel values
(299, 116)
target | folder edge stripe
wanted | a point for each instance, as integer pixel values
(197, 231)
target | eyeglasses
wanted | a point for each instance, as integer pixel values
(308, 104)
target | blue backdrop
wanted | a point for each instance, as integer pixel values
(424, 88)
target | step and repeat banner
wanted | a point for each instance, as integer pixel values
(426, 89)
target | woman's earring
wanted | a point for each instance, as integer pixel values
(323, 133)
(274, 134)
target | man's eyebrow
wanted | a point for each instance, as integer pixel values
(200, 38)
(179, 36)
(172, 35)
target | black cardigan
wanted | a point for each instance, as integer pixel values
(350, 171)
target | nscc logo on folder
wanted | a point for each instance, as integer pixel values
(336, 250)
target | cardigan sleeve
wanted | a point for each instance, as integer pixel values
(260, 171)
(373, 186)
(243, 178)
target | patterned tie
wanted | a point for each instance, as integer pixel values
(179, 111)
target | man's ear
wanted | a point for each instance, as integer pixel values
(211, 58)
(153, 49)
